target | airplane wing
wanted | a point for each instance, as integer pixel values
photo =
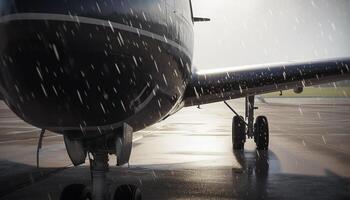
(208, 86)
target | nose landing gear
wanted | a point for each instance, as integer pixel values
(76, 192)
(243, 128)
(119, 144)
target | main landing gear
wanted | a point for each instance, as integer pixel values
(243, 128)
(118, 143)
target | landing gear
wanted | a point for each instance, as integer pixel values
(99, 168)
(130, 192)
(261, 133)
(246, 128)
(238, 133)
(99, 147)
(76, 192)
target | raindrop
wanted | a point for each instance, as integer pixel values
(38, 70)
(135, 61)
(324, 140)
(17, 89)
(54, 89)
(345, 93)
(195, 91)
(165, 81)
(319, 115)
(98, 8)
(156, 66)
(301, 111)
(313, 4)
(111, 26)
(144, 16)
(121, 102)
(56, 52)
(334, 27)
(121, 38)
(81, 101)
(103, 109)
(43, 88)
(334, 85)
(116, 66)
(284, 75)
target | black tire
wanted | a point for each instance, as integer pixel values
(127, 192)
(238, 133)
(76, 192)
(261, 135)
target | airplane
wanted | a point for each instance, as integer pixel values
(97, 71)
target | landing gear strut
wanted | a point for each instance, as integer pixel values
(243, 128)
(99, 168)
(118, 143)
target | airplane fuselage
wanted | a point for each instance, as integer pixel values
(93, 65)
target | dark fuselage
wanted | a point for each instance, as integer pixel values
(92, 65)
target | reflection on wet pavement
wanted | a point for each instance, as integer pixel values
(189, 156)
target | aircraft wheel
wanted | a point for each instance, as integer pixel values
(238, 133)
(261, 135)
(76, 192)
(127, 192)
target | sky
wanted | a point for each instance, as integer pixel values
(243, 32)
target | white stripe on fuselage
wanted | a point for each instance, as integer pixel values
(92, 21)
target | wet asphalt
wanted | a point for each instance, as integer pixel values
(190, 156)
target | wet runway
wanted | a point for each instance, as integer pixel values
(189, 156)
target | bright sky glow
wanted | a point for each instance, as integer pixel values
(245, 32)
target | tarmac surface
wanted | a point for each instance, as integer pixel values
(189, 156)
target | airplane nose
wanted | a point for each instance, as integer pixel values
(65, 74)
(82, 64)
